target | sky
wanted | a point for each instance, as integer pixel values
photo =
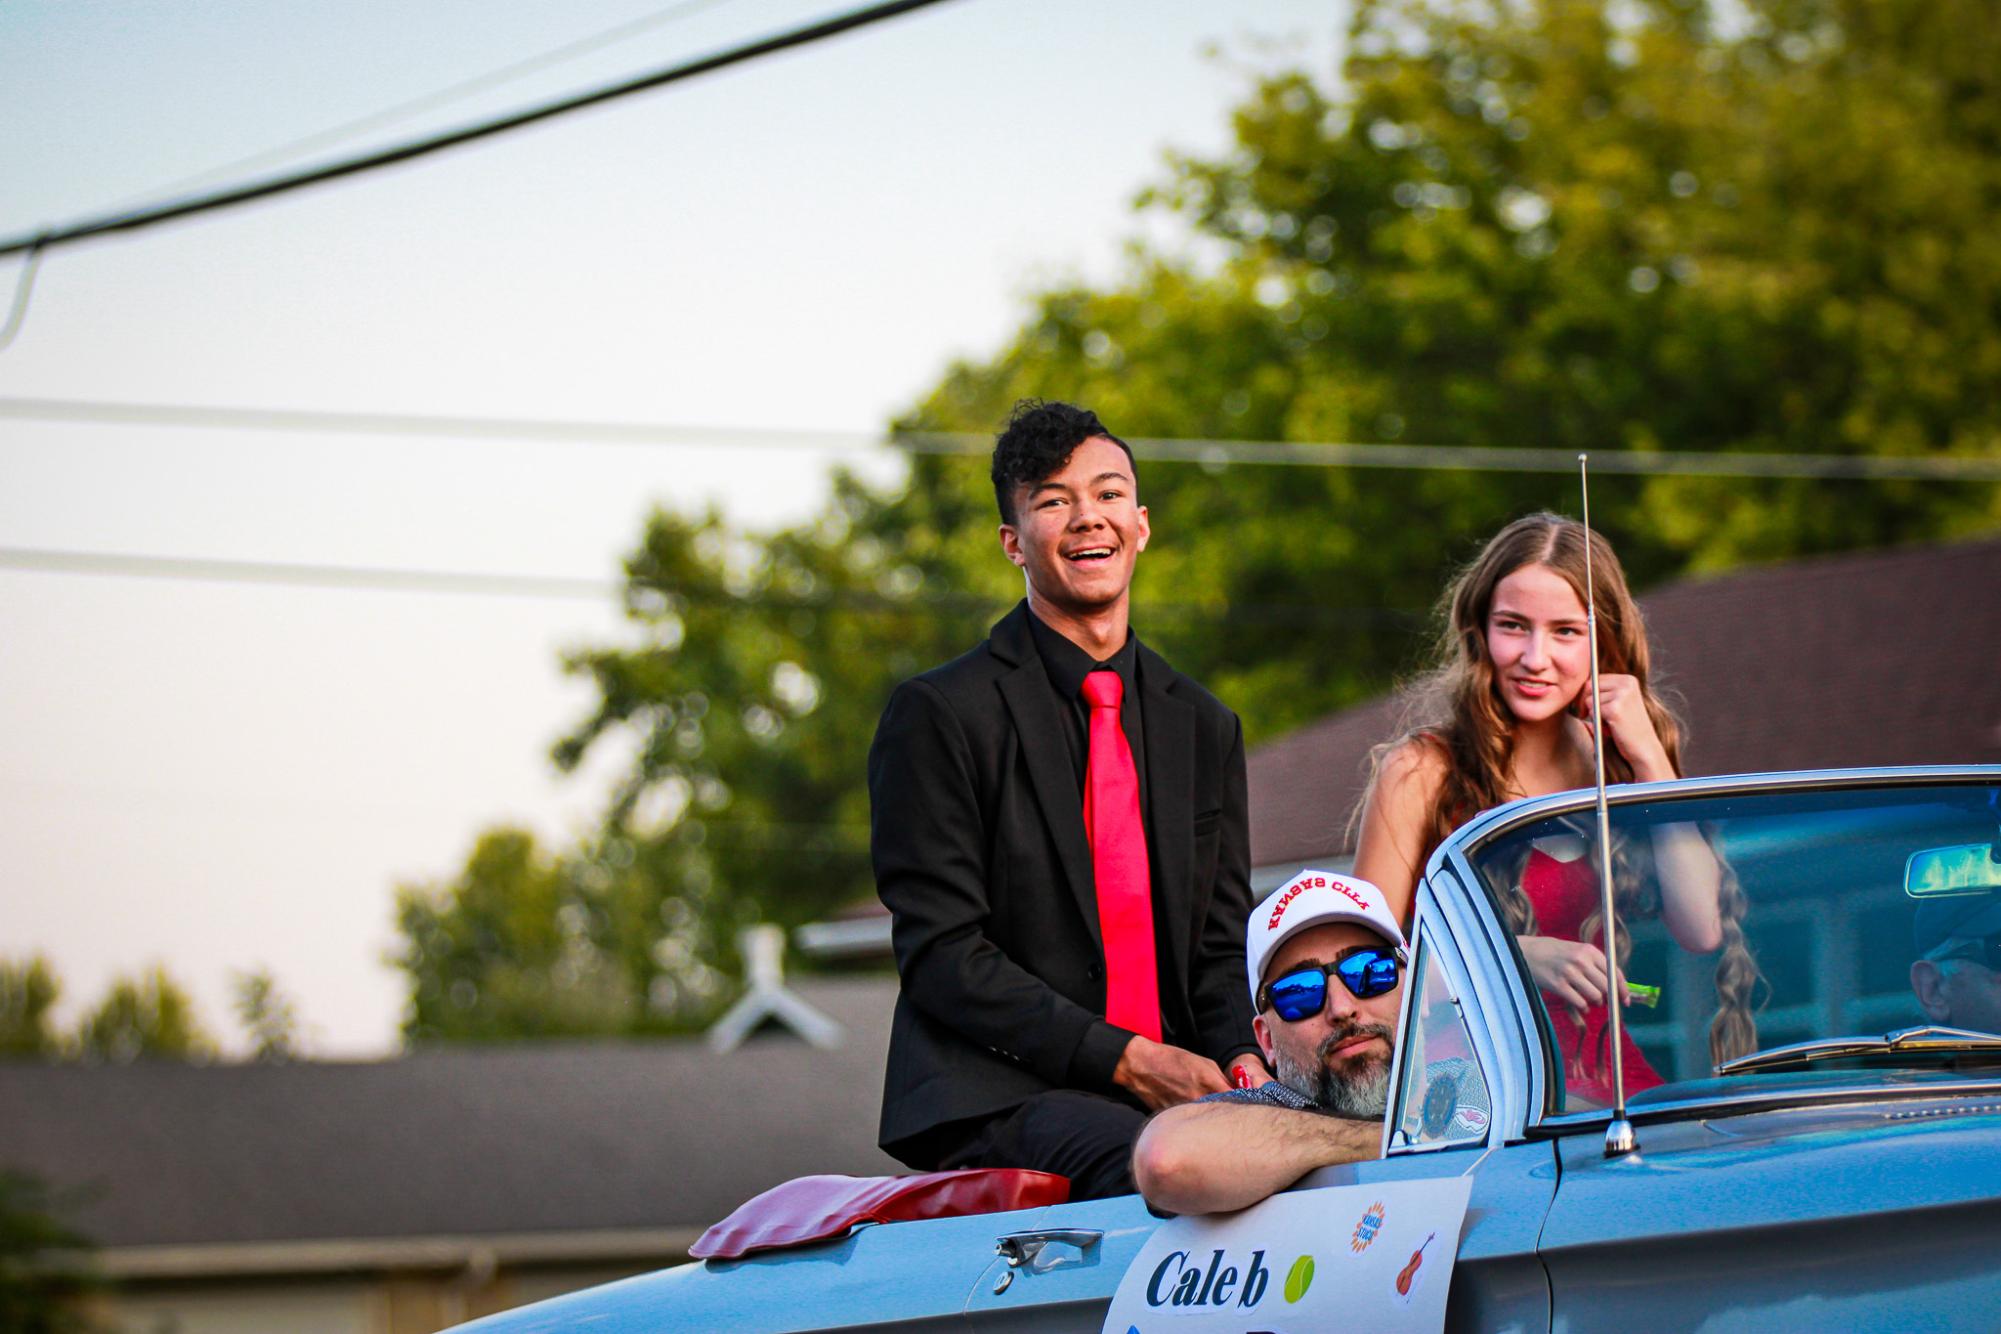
(220, 776)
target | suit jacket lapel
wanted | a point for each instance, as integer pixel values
(1038, 724)
(1169, 724)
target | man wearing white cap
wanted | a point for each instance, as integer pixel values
(1325, 961)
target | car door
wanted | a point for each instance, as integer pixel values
(1060, 1268)
(1874, 1212)
(1457, 1107)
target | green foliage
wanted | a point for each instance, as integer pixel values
(1553, 224)
(749, 696)
(753, 692)
(511, 948)
(1560, 223)
(28, 990)
(267, 1015)
(43, 1274)
(150, 1015)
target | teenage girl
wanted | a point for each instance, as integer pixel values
(1506, 714)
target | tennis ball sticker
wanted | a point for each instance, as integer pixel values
(1300, 1279)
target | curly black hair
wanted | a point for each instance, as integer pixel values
(1039, 439)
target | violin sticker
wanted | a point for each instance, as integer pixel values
(1409, 1276)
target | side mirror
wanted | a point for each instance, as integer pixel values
(1966, 868)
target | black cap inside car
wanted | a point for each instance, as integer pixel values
(1958, 916)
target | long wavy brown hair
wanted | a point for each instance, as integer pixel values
(1456, 709)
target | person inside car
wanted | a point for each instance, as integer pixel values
(1325, 960)
(1957, 974)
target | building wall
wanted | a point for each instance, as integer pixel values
(405, 1303)
(323, 1307)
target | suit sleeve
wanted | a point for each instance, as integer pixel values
(1217, 987)
(928, 842)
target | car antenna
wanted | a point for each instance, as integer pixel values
(1619, 1138)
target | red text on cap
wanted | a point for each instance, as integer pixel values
(1299, 887)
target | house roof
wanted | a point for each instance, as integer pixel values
(545, 1137)
(1886, 657)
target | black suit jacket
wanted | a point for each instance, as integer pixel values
(977, 833)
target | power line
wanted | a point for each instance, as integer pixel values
(1631, 462)
(1211, 453)
(453, 92)
(24, 289)
(380, 579)
(132, 220)
(34, 560)
(312, 421)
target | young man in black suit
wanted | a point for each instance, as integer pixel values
(1060, 983)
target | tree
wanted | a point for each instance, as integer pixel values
(43, 1271)
(268, 1015)
(754, 690)
(743, 803)
(1555, 223)
(509, 949)
(28, 991)
(150, 1015)
(1653, 224)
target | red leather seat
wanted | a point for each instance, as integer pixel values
(815, 1208)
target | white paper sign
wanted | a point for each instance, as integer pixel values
(1369, 1257)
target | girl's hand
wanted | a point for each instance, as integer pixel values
(1570, 970)
(1628, 725)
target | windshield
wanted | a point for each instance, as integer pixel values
(1752, 921)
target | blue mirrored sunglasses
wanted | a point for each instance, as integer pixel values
(1302, 993)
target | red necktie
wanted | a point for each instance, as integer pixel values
(1118, 863)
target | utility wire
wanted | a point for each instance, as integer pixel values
(1632, 462)
(454, 92)
(36, 560)
(311, 421)
(24, 288)
(123, 221)
(1212, 453)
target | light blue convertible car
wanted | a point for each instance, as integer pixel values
(1840, 1169)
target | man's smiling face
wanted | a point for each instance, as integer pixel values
(1078, 531)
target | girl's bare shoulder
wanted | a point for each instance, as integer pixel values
(1413, 769)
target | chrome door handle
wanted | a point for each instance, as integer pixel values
(1025, 1248)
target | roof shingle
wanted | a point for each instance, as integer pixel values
(465, 1140)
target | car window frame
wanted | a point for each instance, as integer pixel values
(1424, 952)
(1451, 863)
(1451, 928)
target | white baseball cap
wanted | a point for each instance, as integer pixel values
(1309, 899)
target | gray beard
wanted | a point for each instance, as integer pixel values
(1365, 1094)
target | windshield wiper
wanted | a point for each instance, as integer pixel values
(1925, 1039)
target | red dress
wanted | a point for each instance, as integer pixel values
(1563, 894)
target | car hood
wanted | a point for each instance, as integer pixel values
(1779, 1150)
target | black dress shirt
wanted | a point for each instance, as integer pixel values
(1067, 665)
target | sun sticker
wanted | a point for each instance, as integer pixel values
(1367, 1227)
